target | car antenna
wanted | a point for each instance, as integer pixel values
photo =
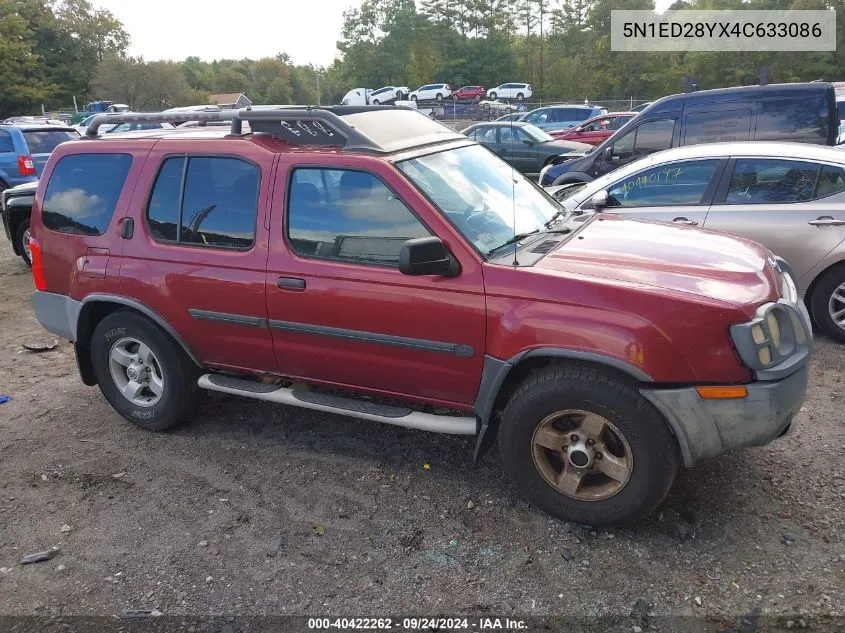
(513, 202)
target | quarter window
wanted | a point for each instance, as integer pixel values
(218, 204)
(6, 142)
(673, 184)
(349, 216)
(83, 192)
(831, 181)
(759, 181)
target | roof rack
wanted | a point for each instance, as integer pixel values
(313, 126)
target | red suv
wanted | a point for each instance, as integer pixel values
(470, 93)
(371, 262)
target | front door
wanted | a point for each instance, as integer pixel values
(341, 312)
(675, 192)
(647, 138)
(795, 208)
(519, 149)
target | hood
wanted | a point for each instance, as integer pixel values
(670, 257)
(566, 147)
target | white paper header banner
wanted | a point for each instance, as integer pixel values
(738, 30)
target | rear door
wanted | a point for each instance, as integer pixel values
(795, 208)
(42, 141)
(676, 192)
(198, 250)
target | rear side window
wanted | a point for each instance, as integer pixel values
(217, 206)
(793, 119)
(45, 141)
(831, 181)
(83, 192)
(6, 142)
(766, 181)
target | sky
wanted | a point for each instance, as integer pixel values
(307, 30)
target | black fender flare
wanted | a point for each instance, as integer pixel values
(495, 371)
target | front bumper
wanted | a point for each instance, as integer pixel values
(706, 428)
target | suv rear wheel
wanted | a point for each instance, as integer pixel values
(828, 303)
(586, 447)
(22, 241)
(143, 373)
(493, 96)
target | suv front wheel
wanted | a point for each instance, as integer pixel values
(586, 447)
(143, 373)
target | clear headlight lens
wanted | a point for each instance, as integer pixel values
(774, 328)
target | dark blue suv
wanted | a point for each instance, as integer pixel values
(25, 148)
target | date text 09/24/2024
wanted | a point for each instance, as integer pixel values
(418, 624)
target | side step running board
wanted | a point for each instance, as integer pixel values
(400, 416)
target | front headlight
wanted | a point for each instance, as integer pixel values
(776, 334)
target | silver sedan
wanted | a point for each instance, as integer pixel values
(790, 197)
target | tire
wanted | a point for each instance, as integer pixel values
(413, 97)
(827, 300)
(179, 397)
(520, 96)
(493, 96)
(438, 97)
(652, 452)
(375, 102)
(22, 241)
(477, 98)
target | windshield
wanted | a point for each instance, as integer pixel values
(45, 141)
(536, 133)
(481, 195)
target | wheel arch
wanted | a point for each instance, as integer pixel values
(808, 295)
(18, 210)
(95, 308)
(574, 176)
(500, 378)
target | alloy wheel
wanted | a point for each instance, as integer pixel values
(136, 372)
(582, 455)
(836, 306)
(25, 246)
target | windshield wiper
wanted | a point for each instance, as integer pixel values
(521, 236)
(516, 238)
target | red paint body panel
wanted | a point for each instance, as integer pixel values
(173, 279)
(659, 297)
(379, 300)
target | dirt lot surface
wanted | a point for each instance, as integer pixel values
(256, 509)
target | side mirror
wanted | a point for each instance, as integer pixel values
(527, 142)
(607, 153)
(599, 200)
(427, 256)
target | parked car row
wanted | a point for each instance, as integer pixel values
(606, 352)
(441, 91)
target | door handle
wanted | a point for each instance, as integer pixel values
(290, 283)
(685, 221)
(827, 221)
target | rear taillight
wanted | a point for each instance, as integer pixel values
(37, 264)
(26, 166)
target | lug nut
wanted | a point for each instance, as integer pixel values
(573, 437)
(599, 456)
(590, 442)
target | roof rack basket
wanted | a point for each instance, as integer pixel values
(318, 126)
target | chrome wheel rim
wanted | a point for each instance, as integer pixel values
(582, 455)
(836, 306)
(25, 246)
(136, 372)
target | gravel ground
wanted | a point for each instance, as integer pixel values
(257, 510)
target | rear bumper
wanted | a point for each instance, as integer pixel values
(706, 428)
(56, 313)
